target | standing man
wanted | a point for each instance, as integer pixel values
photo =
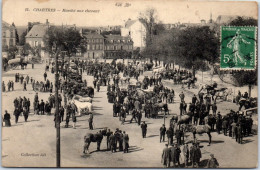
(7, 118)
(166, 157)
(125, 142)
(45, 76)
(16, 114)
(61, 113)
(24, 86)
(112, 141)
(108, 134)
(90, 120)
(25, 114)
(197, 154)
(144, 129)
(169, 133)
(162, 133)
(214, 108)
(182, 96)
(139, 117)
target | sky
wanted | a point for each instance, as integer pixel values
(110, 12)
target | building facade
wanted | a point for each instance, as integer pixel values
(8, 34)
(94, 45)
(107, 46)
(136, 30)
(117, 46)
(35, 36)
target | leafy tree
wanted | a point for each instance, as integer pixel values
(22, 38)
(12, 51)
(196, 45)
(59, 39)
(245, 77)
(26, 49)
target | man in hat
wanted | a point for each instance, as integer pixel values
(90, 121)
(166, 156)
(144, 129)
(7, 118)
(162, 133)
(212, 162)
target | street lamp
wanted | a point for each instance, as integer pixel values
(57, 117)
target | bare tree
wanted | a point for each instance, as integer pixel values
(149, 18)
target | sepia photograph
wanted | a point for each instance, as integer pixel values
(129, 84)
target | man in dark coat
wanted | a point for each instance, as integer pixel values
(108, 134)
(125, 142)
(42, 107)
(139, 117)
(25, 114)
(16, 114)
(169, 133)
(7, 118)
(166, 156)
(90, 121)
(144, 129)
(162, 133)
(197, 154)
(112, 141)
(62, 113)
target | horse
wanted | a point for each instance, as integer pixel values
(90, 137)
(125, 80)
(200, 129)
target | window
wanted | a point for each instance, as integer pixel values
(11, 34)
(101, 47)
(11, 42)
(97, 47)
(4, 42)
(88, 47)
(115, 48)
(4, 34)
(35, 43)
(121, 47)
(93, 40)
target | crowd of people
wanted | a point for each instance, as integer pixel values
(135, 102)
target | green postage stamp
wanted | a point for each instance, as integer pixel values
(238, 48)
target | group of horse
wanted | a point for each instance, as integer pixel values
(183, 123)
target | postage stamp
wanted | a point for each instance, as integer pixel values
(238, 48)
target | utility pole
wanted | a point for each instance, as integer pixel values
(57, 116)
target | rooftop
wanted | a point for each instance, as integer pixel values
(37, 31)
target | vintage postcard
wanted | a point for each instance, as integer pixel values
(129, 84)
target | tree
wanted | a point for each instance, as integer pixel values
(58, 39)
(148, 18)
(16, 34)
(245, 77)
(22, 38)
(194, 46)
(26, 49)
(12, 51)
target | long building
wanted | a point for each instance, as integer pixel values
(8, 34)
(107, 46)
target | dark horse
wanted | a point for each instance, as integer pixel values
(90, 137)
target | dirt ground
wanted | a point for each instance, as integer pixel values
(33, 143)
